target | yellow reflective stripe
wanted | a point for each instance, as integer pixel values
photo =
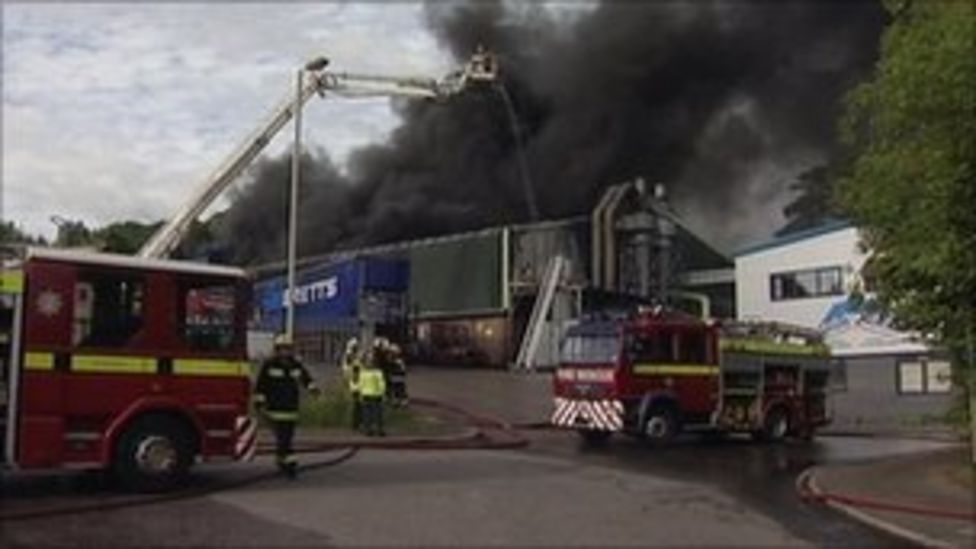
(210, 367)
(763, 346)
(11, 282)
(38, 361)
(258, 397)
(276, 372)
(113, 364)
(282, 416)
(676, 369)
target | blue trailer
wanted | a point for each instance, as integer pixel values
(332, 298)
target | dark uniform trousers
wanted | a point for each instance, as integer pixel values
(373, 415)
(284, 432)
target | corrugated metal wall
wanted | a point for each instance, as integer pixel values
(533, 246)
(457, 277)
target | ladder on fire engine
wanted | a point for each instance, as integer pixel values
(540, 311)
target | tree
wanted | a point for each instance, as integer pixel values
(10, 233)
(813, 203)
(124, 237)
(912, 182)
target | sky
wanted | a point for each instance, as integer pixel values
(117, 111)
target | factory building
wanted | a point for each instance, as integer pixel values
(885, 378)
(467, 298)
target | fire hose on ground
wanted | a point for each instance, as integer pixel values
(484, 435)
(811, 493)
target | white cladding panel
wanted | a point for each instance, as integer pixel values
(753, 270)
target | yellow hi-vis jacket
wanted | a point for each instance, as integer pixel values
(351, 365)
(371, 383)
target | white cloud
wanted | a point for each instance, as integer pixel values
(115, 111)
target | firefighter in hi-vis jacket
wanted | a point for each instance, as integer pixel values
(277, 396)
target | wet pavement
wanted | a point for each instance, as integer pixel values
(939, 486)
(760, 476)
(558, 491)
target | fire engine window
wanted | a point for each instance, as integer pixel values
(208, 317)
(589, 350)
(657, 346)
(108, 310)
(692, 347)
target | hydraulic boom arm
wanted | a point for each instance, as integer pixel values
(480, 68)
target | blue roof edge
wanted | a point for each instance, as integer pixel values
(827, 227)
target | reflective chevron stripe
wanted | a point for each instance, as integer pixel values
(245, 443)
(605, 415)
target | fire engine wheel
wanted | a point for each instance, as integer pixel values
(776, 425)
(594, 437)
(661, 425)
(153, 454)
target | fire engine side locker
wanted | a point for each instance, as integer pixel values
(12, 287)
(741, 365)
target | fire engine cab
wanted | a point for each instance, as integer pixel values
(134, 365)
(656, 372)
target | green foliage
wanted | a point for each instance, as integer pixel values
(10, 233)
(124, 237)
(814, 201)
(333, 410)
(912, 182)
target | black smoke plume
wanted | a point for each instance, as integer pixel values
(724, 102)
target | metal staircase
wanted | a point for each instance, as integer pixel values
(526, 357)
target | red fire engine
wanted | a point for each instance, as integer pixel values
(137, 365)
(658, 372)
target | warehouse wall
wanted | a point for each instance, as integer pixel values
(869, 398)
(458, 276)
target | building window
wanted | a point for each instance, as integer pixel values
(108, 309)
(938, 377)
(822, 282)
(921, 377)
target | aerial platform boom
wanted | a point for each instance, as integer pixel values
(480, 68)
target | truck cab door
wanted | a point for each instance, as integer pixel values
(11, 311)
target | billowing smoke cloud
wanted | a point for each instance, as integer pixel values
(722, 101)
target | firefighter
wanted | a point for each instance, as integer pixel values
(372, 387)
(351, 366)
(383, 359)
(277, 394)
(398, 376)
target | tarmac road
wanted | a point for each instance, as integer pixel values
(558, 492)
(759, 477)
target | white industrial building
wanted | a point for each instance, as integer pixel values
(886, 379)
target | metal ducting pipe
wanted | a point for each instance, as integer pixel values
(610, 242)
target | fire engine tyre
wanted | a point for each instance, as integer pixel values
(593, 437)
(660, 425)
(776, 425)
(153, 454)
